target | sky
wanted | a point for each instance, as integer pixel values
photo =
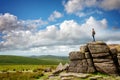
(56, 27)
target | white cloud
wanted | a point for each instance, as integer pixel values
(33, 24)
(55, 15)
(110, 4)
(10, 22)
(88, 13)
(77, 6)
(54, 39)
(73, 6)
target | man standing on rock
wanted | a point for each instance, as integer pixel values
(93, 34)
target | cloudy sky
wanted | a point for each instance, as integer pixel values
(56, 27)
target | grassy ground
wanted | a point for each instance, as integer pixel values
(27, 68)
(23, 72)
(24, 67)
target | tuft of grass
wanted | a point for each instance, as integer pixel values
(100, 74)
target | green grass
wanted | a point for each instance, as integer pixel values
(10, 60)
(25, 67)
(23, 72)
(21, 75)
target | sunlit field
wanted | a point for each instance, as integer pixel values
(23, 72)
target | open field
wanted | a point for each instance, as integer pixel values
(40, 60)
(23, 72)
(27, 68)
(6, 68)
(22, 68)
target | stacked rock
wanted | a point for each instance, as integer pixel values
(118, 53)
(80, 61)
(102, 58)
(115, 51)
(95, 56)
(118, 56)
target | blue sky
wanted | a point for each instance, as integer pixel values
(56, 27)
(29, 9)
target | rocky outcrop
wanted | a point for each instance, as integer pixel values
(80, 62)
(60, 68)
(94, 57)
(115, 48)
(102, 58)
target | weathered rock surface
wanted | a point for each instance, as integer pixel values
(76, 55)
(93, 57)
(79, 75)
(100, 54)
(61, 68)
(80, 61)
(115, 48)
(98, 48)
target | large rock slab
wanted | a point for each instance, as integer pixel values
(94, 49)
(106, 68)
(76, 55)
(81, 66)
(100, 55)
(97, 43)
(103, 61)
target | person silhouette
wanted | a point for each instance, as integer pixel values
(93, 34)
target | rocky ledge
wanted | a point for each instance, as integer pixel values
(95, 57)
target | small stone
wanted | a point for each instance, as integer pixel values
(79, 75)
(48, 70)
(67, 78)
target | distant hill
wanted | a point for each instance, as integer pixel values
(50, 57)
(41, 60)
